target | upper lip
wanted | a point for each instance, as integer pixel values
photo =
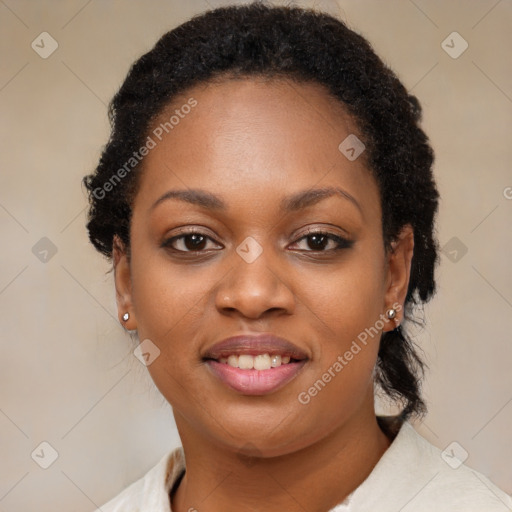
(254, 345)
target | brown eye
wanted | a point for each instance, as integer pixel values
(194, 242)
(317, 241)
(188, 242)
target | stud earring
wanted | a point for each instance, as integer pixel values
(126, 316)
(391, 313)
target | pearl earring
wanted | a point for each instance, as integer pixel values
(126, 316)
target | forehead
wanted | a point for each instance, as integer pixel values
(254, 138)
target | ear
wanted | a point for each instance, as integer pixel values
(398, 274)
(123, 283)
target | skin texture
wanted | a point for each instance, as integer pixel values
(252, 142)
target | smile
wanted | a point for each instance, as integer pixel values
(258, 362)
(255, 364)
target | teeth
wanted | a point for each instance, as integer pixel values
(245, 362)
(259, 362)
(262, 362)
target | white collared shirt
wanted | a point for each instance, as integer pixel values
(411, 476)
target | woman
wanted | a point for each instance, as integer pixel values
(267, 199)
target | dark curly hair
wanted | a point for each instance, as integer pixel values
(303, 45)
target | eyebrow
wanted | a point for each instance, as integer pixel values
(297, 201)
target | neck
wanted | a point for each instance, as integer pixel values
(315, 478)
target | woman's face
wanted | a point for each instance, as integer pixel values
(236, 258)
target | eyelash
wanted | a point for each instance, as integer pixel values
(342, 243)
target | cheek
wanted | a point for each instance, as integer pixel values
(167, 298)
(348, 303)
(347, 299)
(170, 304)
(341, 380)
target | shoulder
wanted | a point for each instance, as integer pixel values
(414, 475)
(151, 491)
(451, 484)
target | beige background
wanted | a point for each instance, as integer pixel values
(67, 373)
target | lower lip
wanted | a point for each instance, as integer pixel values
(255, 382)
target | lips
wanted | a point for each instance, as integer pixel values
(249, 380)
(254, 345)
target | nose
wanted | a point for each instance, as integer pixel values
(253, 289)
